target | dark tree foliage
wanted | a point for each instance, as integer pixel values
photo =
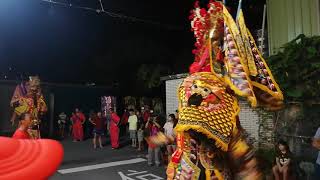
(297, 68)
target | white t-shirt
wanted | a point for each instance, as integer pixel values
(62, 118)
(168, 128)
(317, 135)
(133, 121)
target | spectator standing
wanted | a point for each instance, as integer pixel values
(145, 113)
(124, 122)
(114, 129)
(88, 126)
(140, 132)
(77, 128)
(169, 132)
(99, 127)
(316, 144)
(133, 122)
(153, 150)
(62, 124)
(283, 161)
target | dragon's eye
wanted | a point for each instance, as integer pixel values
(195, 86)
(206, 90)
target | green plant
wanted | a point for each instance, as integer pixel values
(297, 68)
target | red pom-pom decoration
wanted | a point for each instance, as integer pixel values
(203, 12)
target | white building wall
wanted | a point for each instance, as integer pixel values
(172, 95)
(249, 119)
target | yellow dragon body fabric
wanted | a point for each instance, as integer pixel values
(210, 142)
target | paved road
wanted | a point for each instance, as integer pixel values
(82, 162)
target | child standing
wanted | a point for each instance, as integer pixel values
(133, 122)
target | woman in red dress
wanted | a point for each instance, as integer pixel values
(77, 130)
(114, 130)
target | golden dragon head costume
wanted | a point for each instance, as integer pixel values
(210, 144)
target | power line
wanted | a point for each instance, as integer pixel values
(102, 11)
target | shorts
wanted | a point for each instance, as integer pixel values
(140, 135)
(99, 132)
(133, 134)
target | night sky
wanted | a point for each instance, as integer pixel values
(68, 45)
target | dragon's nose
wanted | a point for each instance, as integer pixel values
(195, 99)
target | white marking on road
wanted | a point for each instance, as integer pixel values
(135, 173)
(124, 177)
(145, 176)
(100, 166)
